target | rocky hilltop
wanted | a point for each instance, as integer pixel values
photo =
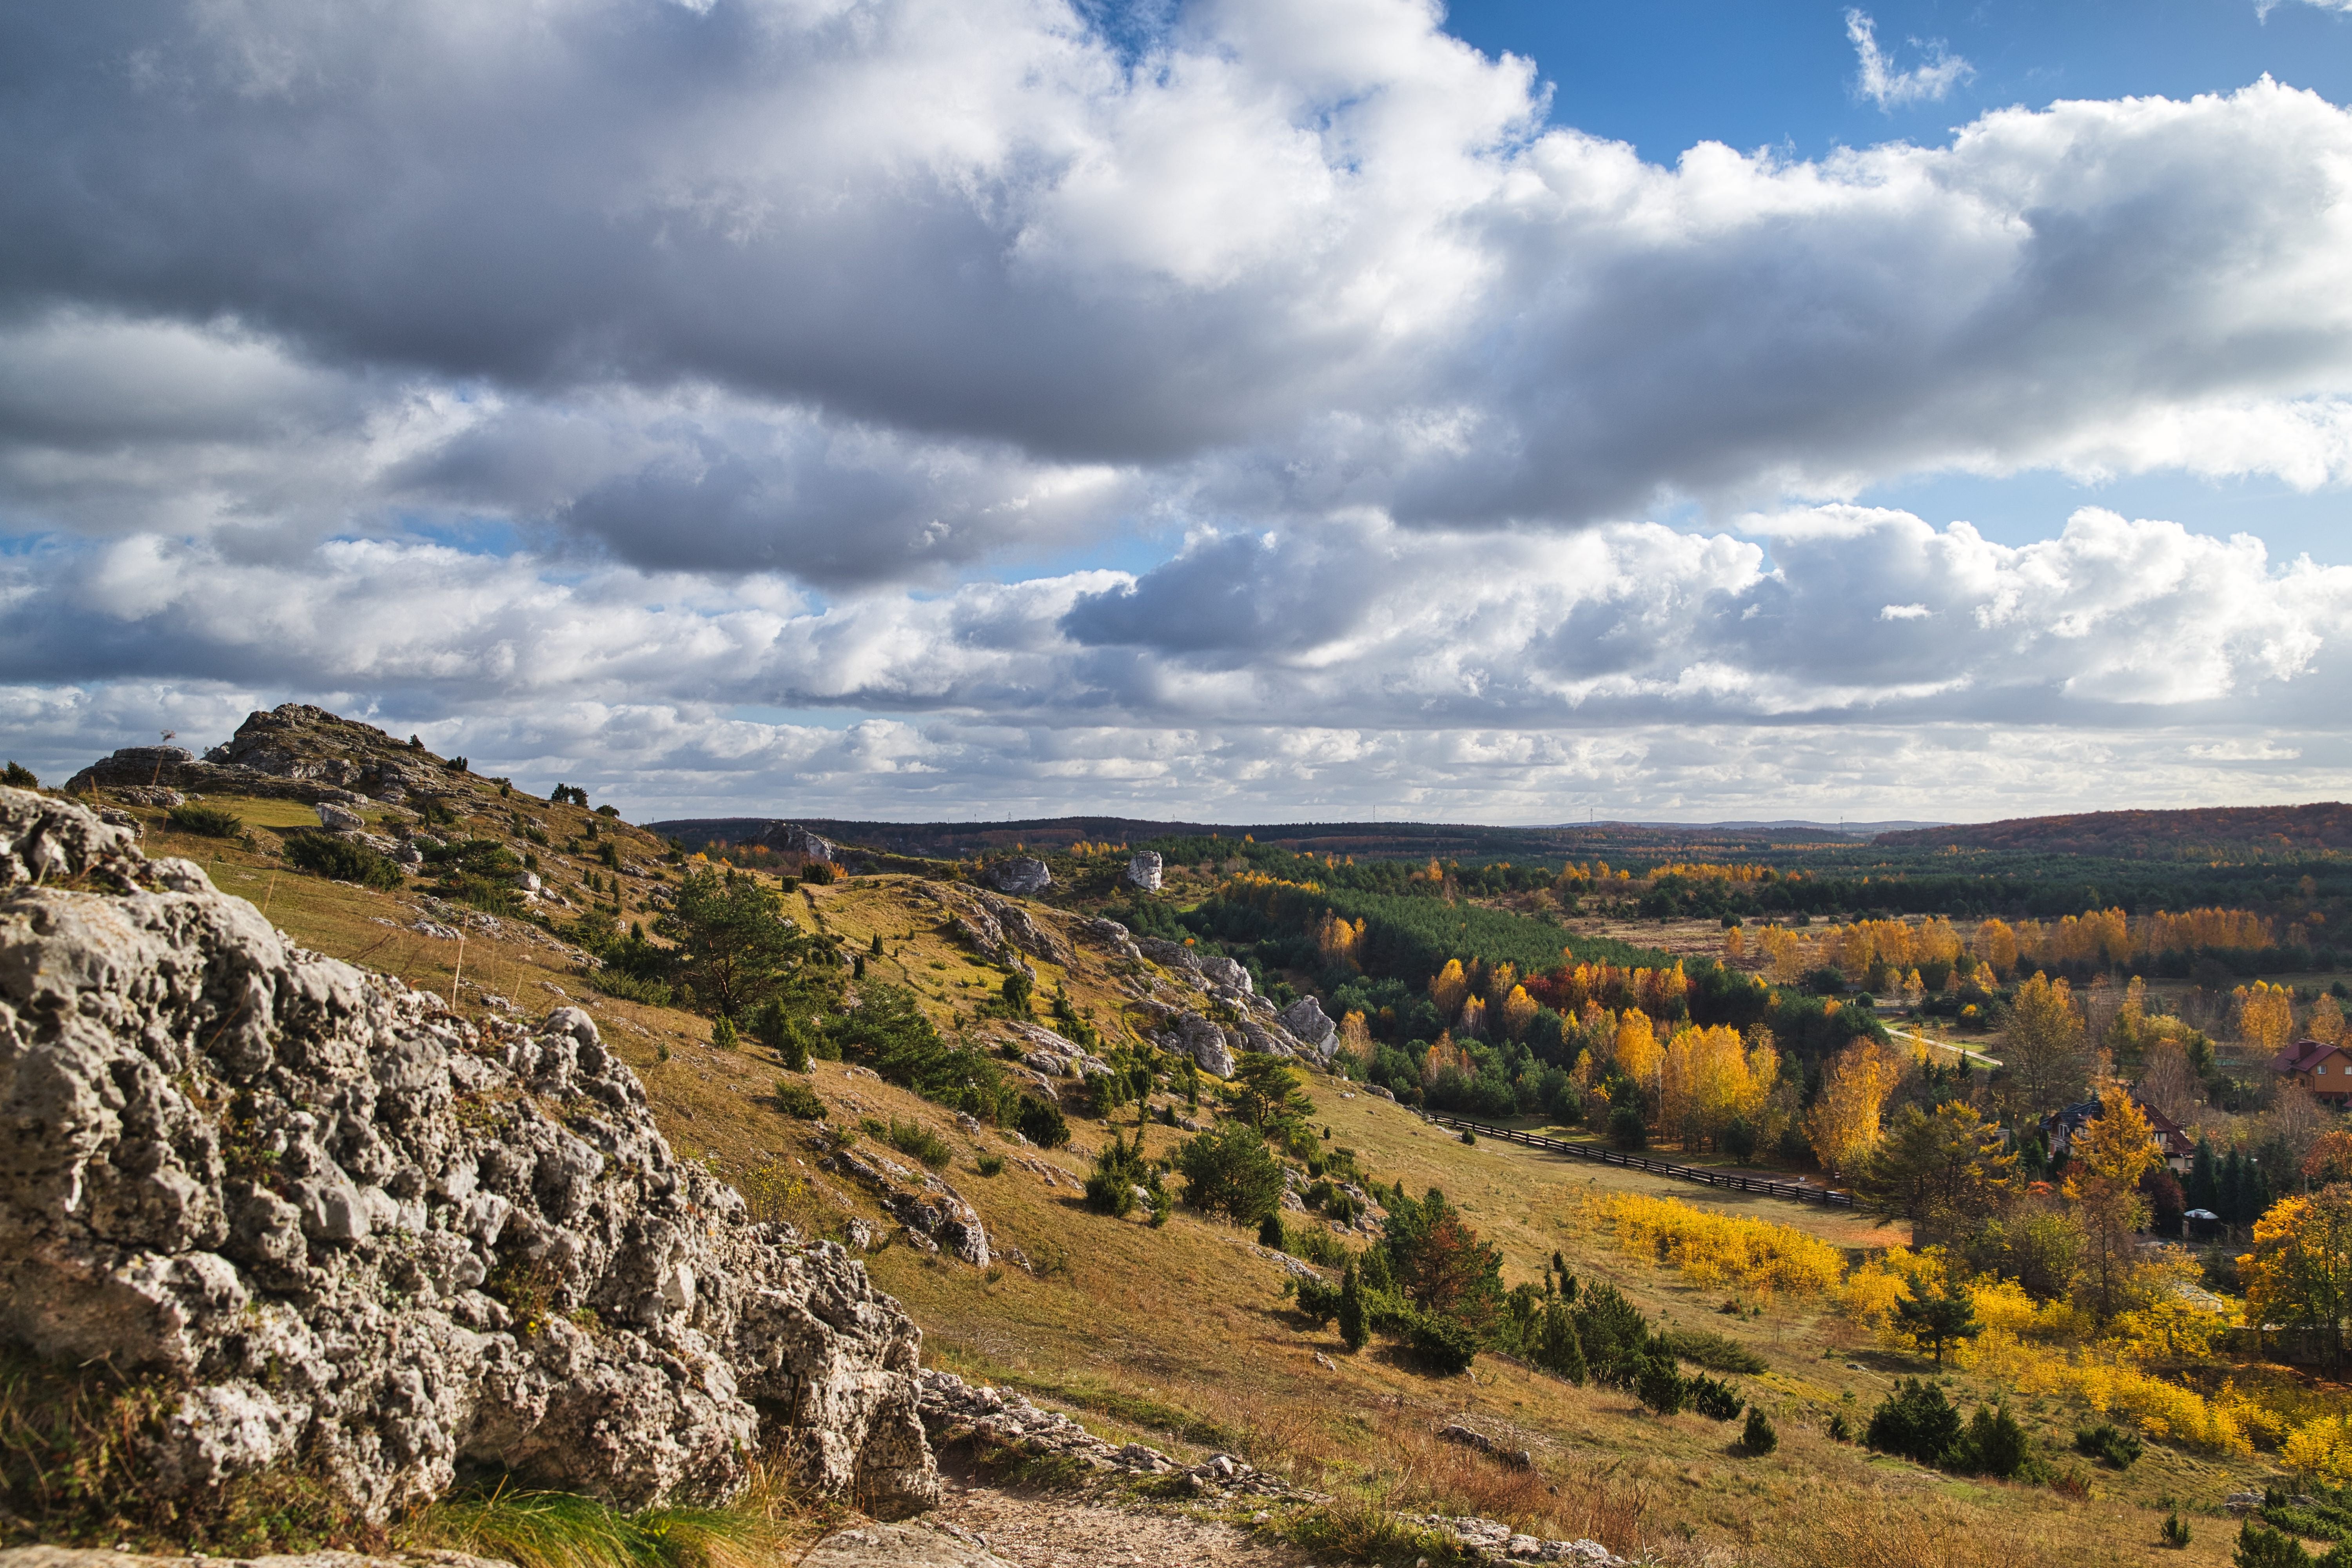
(348, 1233)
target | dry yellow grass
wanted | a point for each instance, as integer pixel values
(1181, 1336)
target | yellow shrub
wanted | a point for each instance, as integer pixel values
(2111, 1388)
(1722, 1250)
(1872, 1289)
(2322, 1447)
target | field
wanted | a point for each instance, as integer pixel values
(1181, 1335)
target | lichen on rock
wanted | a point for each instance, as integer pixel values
(360, 1234)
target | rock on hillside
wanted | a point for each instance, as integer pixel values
(293, 751)
(351, 1232)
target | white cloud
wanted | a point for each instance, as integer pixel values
(589, 378)
(1891, 88)
(737, 290)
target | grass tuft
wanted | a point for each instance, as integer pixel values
(566, 1529)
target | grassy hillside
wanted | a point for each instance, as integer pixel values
(1182, 1336)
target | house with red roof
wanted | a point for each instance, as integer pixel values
(2325, 1069)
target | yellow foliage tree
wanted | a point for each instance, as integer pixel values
(2043, 1047)
(2299, 1275)
(2326, 1024)
(1520, 1011)
(1842, 1125)
(1709, 1078)
(2265, 1016)
(1447, 988)
(1734, 943)
(1638, 1057)
(1786, 955)
(1356, 1036)
(2104, 1166)
(1996, 944)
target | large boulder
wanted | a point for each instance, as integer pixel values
(1306, 1019)
(1023, 874)
(353, 1234)
(1203, 1041)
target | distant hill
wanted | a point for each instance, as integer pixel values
(1412, 840)
(2166, 835)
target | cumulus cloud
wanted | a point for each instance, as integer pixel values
(732, 287)
(1890, 88)
(656, 386)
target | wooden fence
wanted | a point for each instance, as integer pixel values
(1795, 1192)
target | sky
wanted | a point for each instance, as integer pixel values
(1245, 410)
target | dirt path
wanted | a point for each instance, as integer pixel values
(1048, 1529)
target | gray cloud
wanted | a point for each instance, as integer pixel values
(525, 374)
(1303, 265)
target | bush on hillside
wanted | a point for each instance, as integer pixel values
(1119, 1170)
(1229, 1171)
(2109, 1444)
(912, 1138)
(341, 860)
(1659, 1385)
(1042, 1122)
(19, 776)
(1996, 1444)
(207, 821)
(799, 1099)
(1704, 1347)
(1757, 1435)
(1915, 1421)
(1443, 1345)
(1712, 1397)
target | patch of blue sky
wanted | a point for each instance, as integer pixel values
(1667, 74)
(2023, 508)
(1133, 28)
(835, 719)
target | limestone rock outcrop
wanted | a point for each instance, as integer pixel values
(355, 1233)
(294, 752)
(1022, 873)
(1312, 1027)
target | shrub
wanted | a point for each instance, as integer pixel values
(1042, 1122)
(799, 1099)
(1995, 1442)
(1660, 1385)
(1704, 1347)
(627, 987)
(1712, 1397)
(2260, 1546)
(1441, 1344)
(989, 1164)
(1915, 1421)
(209, 821)
(1228, 1171)
(1840, 1429)
(1118, 1171)
(1354, 1332)
(773, 1026)
(19, 776)
(340, 860)
(1318, 1298)
(817, 873)
(458, 764)
(1316, 1245)
(1626, 1129)
(722, 1035)
(1757, 1435)
(915, 1139)
(1269, 1232)
(1723, 1249)
(1616, 1338)
(2176, 1530)
(2109, 1444)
